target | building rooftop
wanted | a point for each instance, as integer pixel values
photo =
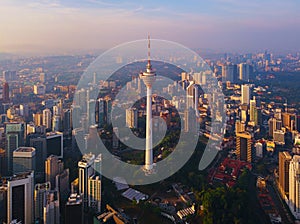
(25, 149)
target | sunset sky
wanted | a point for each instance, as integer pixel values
(60, 26)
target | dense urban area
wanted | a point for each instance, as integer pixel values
(47, 176)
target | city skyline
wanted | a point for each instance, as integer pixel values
(60, 27)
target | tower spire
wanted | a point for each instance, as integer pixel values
(149, 62)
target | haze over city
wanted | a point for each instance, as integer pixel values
(65, 26)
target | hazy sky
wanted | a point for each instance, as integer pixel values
(58, 26)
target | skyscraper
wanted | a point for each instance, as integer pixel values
(294, 186)
(74, 209)
(54, 141)
(47, 118)
(244, 147)
(38, 142)
(51, 213)
(53, 167)
(94, 193)
(14, 139)
(149, 78)
(86, 170)
(245, 97)
(5, 93)
(24, 159)
(40, 196)
(20, 198)
(245, 71)
(229, 73)
(131, 118)
(284, 164)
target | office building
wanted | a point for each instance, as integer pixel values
(272, 123)
(74, 209)
(56, 123)
(62, 185)
(51, 212)
(245, 71)
(24, 160)
(53, 167)
(40, 196)
(47, 118)
(86, 170)
(39, 89)
(245, 97)
(131, 118)
(3, 163)
(14, 139)
(294, 186)
(284, 166)
(229, 73)
(20, 198)
(94, 193)
(54, 141)
(5, 92)
(10, 76)
(98, 165)
(244, 147)
(279, 137)
(67, 122)
(38, 142)
(3, 204)
(24, 110)
(38, 119)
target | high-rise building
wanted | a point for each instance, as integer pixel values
(54, 141)
(115, 139)
(24, 110)
(14, 139)
(5, 92)
(40, 196)
(38, 142)
(67, 125)
(47, 118)
(272, 126)
(10, 76)
(56, 123)
(39, 89)
(279, 137)
(62, 185)
(100, 119)
(20, 198)
(51, 213)
(245, 97)
(3, 163)
(53, 167)
(252, 109)
(229, 73)
(239, 126)
(3, 204)
(24, 160)
(245, 71)
(284, 165)
(38, 119)
(294, 186)
(244, 147)
(131, 118)
(94, 193)
(149, 78)
(86, 170)
(74, 209)
(98, 165)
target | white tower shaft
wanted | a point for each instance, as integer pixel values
(149, 154)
